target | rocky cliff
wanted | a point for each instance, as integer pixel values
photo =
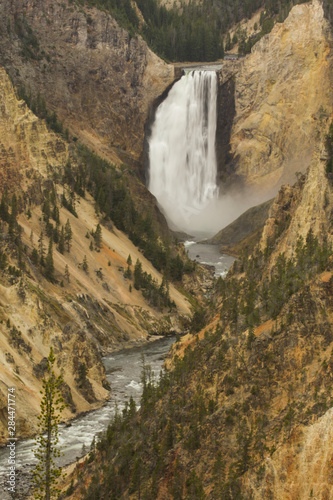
(245, 409)
(83, 312)
(98, 78)
(306, 206)
(244, 232)
(282, 98)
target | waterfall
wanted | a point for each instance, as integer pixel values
(182, 158)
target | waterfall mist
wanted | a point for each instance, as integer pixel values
(182, 158)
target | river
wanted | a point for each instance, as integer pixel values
(123, 370)
(209, 255)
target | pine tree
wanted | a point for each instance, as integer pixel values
(49, 265)
(67, 278)
(61, 244)
(46, 210)
(68, 234)
(34, 256)
(41, 248)
(4, 213)
(98, 237)
(138, 275)
(128, 272)
(46, 473)
(55, 214)
(12, 218)
(20, 261)
(85, 266)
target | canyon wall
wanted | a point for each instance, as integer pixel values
(283, 98)
(98, 78)
(84, 314)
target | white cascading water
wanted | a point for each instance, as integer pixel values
(182, 158)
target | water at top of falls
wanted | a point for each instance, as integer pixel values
(182, 157)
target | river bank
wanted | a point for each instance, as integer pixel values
(123, 370)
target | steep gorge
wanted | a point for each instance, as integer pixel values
(282, 95)
(259, 389)
(91, 311)
(244, 410)
(97, 77)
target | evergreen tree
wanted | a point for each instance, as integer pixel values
(98, 237)
(68, 234)
(41, 248)
(85, 266)
(61, 244)
(55, 214)
(34, 256)
(128, 272)
(4, 213)
(12, 218)
(138, 275)
(49, 265)
(46, 209)
(67, 278)
(46, 473)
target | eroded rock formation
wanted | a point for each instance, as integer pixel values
(283, 97)
(98, 78)
(83, 315)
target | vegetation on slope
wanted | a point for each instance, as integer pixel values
(110, 188)
(199, 30)
(63, 276)
(236, 392)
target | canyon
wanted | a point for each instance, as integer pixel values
(252, 375)
(94, 312)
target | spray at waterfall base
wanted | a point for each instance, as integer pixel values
(182, 158)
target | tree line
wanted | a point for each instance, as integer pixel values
(198, 31)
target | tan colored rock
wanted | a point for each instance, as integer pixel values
(283, 96)
(25, 141)
(98, 78)
(301, 468)
(309, 204)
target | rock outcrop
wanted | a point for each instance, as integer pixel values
(300, 470)
(283, 97)
(244, 232)
(83, 313)
(98, 78)
(308, 205)
(26, 145)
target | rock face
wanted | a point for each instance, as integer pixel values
(83, 316)
(97, 77)
(308, 205)
(303, 469)
(249, 225)
(25, 141)
(282, 97)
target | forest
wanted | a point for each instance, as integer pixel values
(197, 31)
(182, 413)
